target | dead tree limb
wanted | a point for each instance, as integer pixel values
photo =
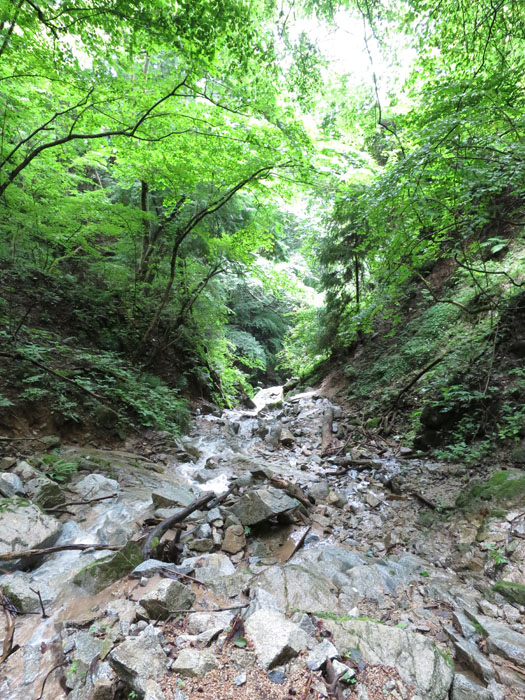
(177, 518)
(51, 550)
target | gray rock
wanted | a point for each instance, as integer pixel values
(140, 659)
(102, 572)
(276, 640)
(149, 568)
(167, 597)
(262, 600)
(501, 640)
(465, 689)
(415, 657)
(319, 491)
(172, 495)
(209, 567)
(320, 654)
(45, 492)
(203, 544)
(240, 679)
(234, 539)
(260, 504)
(95, 485)
(200, 622)
(153, 691)
(11, 485)
(24, 527)
(468, 654)
(194, 663)
(17, 587)
(297, 588)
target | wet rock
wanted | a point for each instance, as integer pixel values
(234, 539)
(172, 495)
(167, 597)
(11, 485)
(276, 640)
(95, 486)
(17, 587)
(101, 573)
(260, 504)
(465, 689)
(23, 526)
(140, 659)
(319, 655)
(415, 657)
(194, 663)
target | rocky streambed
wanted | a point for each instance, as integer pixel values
(322, 564)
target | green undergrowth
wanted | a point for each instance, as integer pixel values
(502, 487)
(72, 384)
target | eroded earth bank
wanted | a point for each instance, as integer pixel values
(321, 564)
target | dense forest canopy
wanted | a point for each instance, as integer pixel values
(182, 184)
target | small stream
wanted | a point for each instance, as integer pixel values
(358, 510)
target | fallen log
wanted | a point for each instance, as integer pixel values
(165, 525)
(292, 490)
(51, 550)
(326, 431)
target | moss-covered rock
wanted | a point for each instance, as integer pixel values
(504, 487)
(513, 592)
(101, 573)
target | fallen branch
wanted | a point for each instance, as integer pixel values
(165, 525)
(170, 573)
(40, 697)
(213, 610)
(62, 506)
(326, 431)
(7, 648)
(292, 490)
(37, 592)
(389, 418)
(51, 550)
(357, 464)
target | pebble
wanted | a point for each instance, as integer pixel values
(241, 678)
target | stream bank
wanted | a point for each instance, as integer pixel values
(347, 570)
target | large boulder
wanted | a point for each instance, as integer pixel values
(24, 526)
(417, 660)
(275, 638)
(261, 504)
(96, 486)
(101, 573)
(172, 495)
(296, 587)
